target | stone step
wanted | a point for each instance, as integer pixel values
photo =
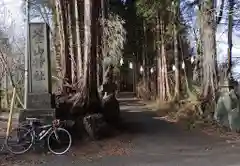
(4, 116)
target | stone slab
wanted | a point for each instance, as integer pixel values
(40, 65)
(47, 115)
(40, 101)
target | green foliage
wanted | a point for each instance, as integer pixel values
(149, 10)
(114, 37)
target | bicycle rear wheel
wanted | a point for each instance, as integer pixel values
(59, 141)
(22, 138)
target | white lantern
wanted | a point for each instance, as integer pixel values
(183, 65)
(121, 61)
(141, 69)
(151, 70)
(192, 59)
(130, 65)
(173, 68)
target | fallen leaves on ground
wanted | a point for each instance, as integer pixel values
(117, 146)
(186, 116)
(215, 130)
(28, 159)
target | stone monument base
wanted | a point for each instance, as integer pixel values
(47, 115)
(40, 100)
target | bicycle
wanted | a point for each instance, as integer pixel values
(35, 131)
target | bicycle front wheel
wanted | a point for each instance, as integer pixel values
(20, 140)
(59, 141)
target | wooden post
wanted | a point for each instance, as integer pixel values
(11, 112)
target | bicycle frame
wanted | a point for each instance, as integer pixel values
(50, 128)
(37, 133)
(33, 131)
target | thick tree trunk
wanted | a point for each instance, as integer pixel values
(63, 31)
(87, 41)
(79, 58)
(159, 62)
(230, 30)
(81, 11)
(209, 49)
(163, 87)
(57, 42)
(64, 70)
(94, 43)
(176, 54)
(99, 43)
(168, 94)
(145, 59)
(162, 75)
(163, 62)
(72, 40)
(90, 54)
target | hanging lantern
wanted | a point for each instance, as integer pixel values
(192, 59)
(151, 70)
(121, 61)
(173, 67)
(130, 65)
(183, 65)
(141, 69)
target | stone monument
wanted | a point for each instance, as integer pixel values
(39, 100)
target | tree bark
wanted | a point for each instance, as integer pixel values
(79, 59)
(87, 41)
(144, 58)
(176, 54)
(90, 53)
(163, 86)
(72, 40)
(163, 63)
(209, 49)
(159, 62)
(230, 31)
(57, 41)
(63, 31)
(99, 43)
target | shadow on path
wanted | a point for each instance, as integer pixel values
(146, 128)
(146, 139)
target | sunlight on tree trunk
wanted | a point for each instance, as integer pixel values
(57, 43)
(209, 49)
(163, 85)
(78, 41)
(60, 23)
(72, 40)
(87, 41)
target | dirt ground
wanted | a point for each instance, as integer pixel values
(147, 140)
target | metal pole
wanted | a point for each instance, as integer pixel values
(26, 80)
